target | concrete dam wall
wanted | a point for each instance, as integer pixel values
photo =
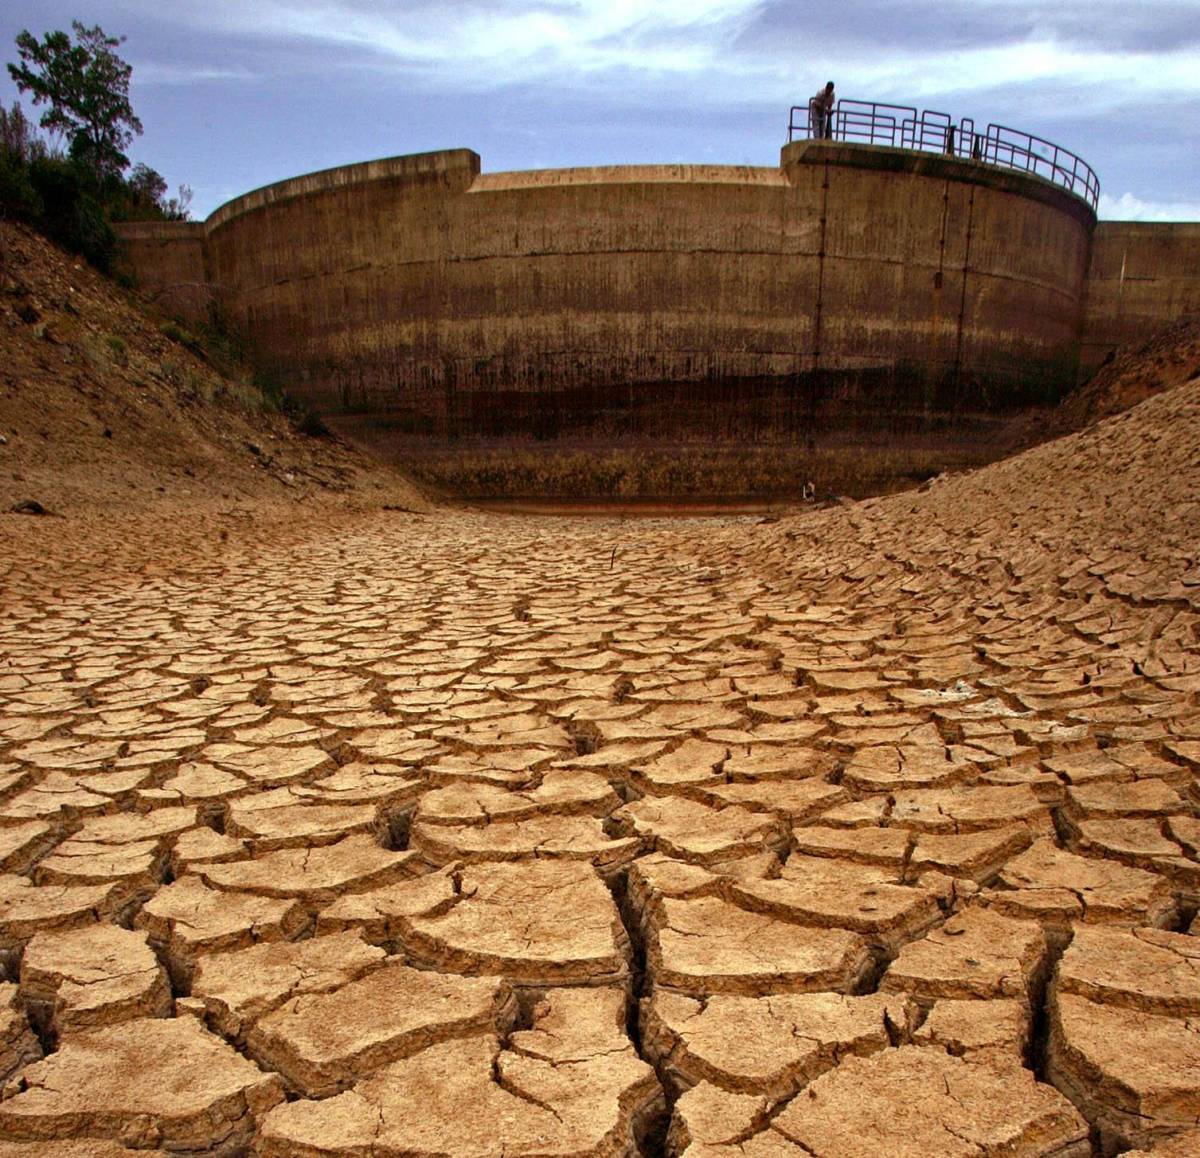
(1142, 274)
(853, 291)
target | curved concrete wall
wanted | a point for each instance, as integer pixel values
(851, 282)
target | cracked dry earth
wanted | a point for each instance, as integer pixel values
(867, 832)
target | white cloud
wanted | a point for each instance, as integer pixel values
(499, 42)
(156, 73)
(480, 44)
(1128, 207)
(1111, 78)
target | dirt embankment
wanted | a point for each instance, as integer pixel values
(1170, 356)
(106, 408)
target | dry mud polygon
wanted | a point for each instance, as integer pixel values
(861, 831)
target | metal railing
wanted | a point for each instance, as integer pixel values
(903, 127)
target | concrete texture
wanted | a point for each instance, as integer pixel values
(166, 259)
(1142, 274)
(855, 291)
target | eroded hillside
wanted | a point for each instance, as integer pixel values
(1169, 356)
(104, 406)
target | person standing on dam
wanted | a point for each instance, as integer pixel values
(820, 113)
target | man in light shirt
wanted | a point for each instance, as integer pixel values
(820, 113)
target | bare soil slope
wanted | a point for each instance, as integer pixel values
(1169, 357)
(100, 408)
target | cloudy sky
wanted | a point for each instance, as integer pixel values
(238, 93)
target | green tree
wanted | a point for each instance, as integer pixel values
(146, 191)
(86, 86)
(147, 186)
(19, 143)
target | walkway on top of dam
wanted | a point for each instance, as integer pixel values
(928, 131)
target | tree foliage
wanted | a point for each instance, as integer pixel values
(147, 185)
(85, 86)
(74, 195)
(147, 196)
(20, 149)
